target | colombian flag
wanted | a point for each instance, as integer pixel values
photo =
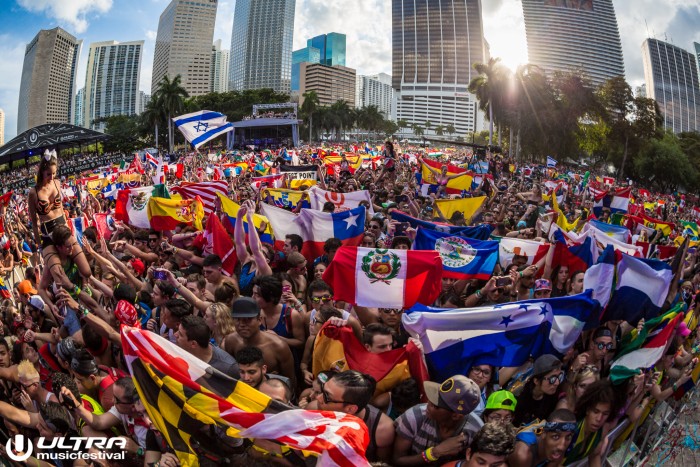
(231, 208)
(166, 214)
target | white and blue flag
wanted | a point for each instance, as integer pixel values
(551, 162)
(200, 127)
(508, 334)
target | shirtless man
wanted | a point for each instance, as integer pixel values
(276, 353)
(211, 269)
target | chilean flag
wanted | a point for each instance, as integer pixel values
(385, 278)
(317, 227)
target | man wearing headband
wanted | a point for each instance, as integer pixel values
(545, 443)
(491, 447)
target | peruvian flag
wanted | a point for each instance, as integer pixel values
(220, 244)
(385, 278)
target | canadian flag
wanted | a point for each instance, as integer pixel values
(385, 278)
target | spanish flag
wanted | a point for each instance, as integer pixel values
(467, 206)
(166, 214)
(337, 348)
(454, 186)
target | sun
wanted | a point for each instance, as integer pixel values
(505, 33)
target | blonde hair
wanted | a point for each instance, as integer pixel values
(223, 320)
(584, 373)
(26, 371)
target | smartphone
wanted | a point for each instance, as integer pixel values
(503, 281)
(286, 288)
(159, 274)
(163, 245)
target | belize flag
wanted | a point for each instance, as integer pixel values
(200, 127)
(502, 335)
(479, 232)
(317, 227)
(462, 258)
(640, 290)
(385, 278)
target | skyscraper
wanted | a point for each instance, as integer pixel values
(331, 83)
(112, 81)
(306, 55)
(434, 45)
(79, 106)
(47, 89)
(183, 45)
(261, 45)
(696, 46)
(219, 68)
(2, 127)
(571, 35)
(143, 101)
(671, 76)
(331, 46)
(375, 90)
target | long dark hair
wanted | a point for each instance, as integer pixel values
(43, 165)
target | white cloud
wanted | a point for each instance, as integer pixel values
(151, 35)
(224, 22)
(11, 62)
(70, 12)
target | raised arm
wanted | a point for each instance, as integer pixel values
(239, 236)
(255, 244)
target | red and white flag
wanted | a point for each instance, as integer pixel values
(510, 247)
(385, 278)
(283, 223)
(205, 190)
(220, 244)
(136, 165)
(342, 201)
(268, 181)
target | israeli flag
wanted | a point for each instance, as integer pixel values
(551, 162)
(200, 127)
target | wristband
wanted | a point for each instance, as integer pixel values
(478, 293)
(521, 274)
(140, 452)
(675, 387)
(429, 454)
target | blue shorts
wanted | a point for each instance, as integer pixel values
(71, 321)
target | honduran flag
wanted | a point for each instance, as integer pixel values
(640, 290)
(385, 278)
(231, 208)
(317, 227)
(509, 247)
(507, 334)
(616, 201)
(462, 258)
(479, 232)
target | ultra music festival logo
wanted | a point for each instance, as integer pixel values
(20, 448)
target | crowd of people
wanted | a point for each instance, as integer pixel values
(63, 372)
(271, 114)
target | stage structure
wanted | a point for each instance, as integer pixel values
(270, 126)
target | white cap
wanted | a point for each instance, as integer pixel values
(37, 302)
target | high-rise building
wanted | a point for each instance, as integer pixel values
(183, 45)
(219, 68)
(112, 81)
(143, 101)
(331, 83)
(261, 45)
(331, 46)
(2, 127)
(434, 45)
(696, 46)
(574, 35)
(307, 54)
(47, 89)
(671, 76)
(79, 106)
(375, 90)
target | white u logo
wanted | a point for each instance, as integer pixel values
(18, 442)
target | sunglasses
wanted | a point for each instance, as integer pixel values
(328, 400)
(391, 311)
(117, 401)
(602, 345)
(556, 378)
(324, 299)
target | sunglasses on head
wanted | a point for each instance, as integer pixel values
(603, 345)
(556, 378)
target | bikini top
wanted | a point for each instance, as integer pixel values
(44, 207)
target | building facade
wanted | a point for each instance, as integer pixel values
(331, 83)
(332, 48)
(47, 89)
(434, 47)
(261, 45)
(143, 101)
(219, 68)
(183, 45)
(79, 101)
(671, 76)
(375, 90)
(581, 35)
(112, 81)
(307, 54)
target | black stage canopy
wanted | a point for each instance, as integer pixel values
(52, 135)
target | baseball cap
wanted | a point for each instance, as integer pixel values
(542, 284)
(457, 394)
(37, 302)
(26, 288)
(245, 307)
(126, 313)
(544, 364)
(138, 266)
(66, 349)
(501, 400)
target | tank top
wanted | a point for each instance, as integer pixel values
(245, 279)
(371, 419)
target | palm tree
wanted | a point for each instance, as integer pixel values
(402, 123)
(344, 114)
(487, 87)
(427, 125)
(450, 129)
(171, 96)
(439, 130)
(309, 108)
(153, 114)
(417, 130)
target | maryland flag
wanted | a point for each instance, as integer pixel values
(284, 198)
(337, 348)
(166, 214)
(184, 396)
(467, 206)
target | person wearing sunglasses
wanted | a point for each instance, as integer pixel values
(350, 392)
(319, 294)
(500, 407)
(599, 347)
(539, 396)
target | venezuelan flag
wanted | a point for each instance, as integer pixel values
(286, 199)
(231, 208)
(166, 214)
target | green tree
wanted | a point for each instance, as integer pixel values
(439, 130)
(123, 131)
(662, 163)
(417, 130)
(450, 129)
(308, 108)
(171, 96)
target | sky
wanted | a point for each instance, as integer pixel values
(367, 24)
